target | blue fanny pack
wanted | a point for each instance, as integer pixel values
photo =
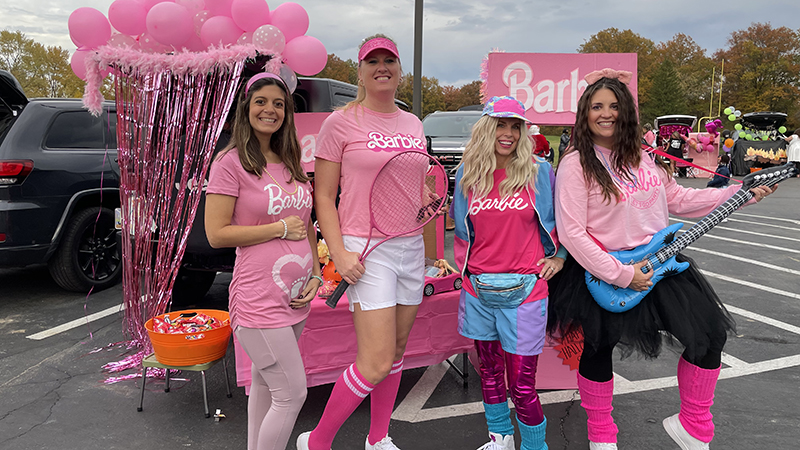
(503, 290)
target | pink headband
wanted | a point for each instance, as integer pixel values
(374, 44)
(260, 76)
(622, 75)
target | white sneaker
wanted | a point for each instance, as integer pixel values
(499, 442)
(602, 445)
(302, 441)
(686, 441)
(384, 444)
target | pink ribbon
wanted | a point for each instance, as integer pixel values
(622, 75)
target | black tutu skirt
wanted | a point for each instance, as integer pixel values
(685, 305)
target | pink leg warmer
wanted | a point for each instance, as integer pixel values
(696, 386)
(348, 392)
(382, 403)
(596, 399)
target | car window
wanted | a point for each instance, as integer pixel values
(341, 99)
(111, 130)
(447, 125)
(76, 130)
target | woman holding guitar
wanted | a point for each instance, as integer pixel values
(610, 197)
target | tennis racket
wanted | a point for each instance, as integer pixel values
(409, 191)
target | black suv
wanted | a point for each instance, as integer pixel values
(59, 186)
(448, 133)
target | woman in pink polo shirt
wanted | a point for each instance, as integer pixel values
(611, 196)
(385, 292)
(259, 201)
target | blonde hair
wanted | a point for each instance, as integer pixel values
(362, 93)
(479, 161)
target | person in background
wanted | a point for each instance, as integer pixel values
(793, 151)
(386, 290)
(675, 148)
(649, 137)
(610, 196)
(259, 201)
(723, 172)
(563, 142)
(499, 182)
(542, 146)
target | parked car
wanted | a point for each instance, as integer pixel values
(59, 186)
(447, 133)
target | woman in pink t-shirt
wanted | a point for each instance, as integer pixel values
(385, 292)
(259, 201)
(611, 196)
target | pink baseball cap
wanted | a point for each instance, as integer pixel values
(505, 107)
(375, 44)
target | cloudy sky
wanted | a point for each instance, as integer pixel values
(459, 33)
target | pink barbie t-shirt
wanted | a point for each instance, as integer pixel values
(362, 140)
(267, 275)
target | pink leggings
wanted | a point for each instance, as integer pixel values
(521, 371)
(278, 389)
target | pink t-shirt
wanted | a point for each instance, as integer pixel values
(265, 275)
(362, 140)
(514, 247)
(644, 210)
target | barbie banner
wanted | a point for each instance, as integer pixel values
(550, 84)
(308, 125)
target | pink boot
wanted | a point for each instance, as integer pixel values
(696, 388)
(596, 399)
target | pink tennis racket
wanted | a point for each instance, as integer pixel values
(408, 192)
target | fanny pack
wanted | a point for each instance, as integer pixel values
(503, 290)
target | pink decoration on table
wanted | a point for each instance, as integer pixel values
(292, 19)
(170, 24)
(269, 38)
(250, 14)
(128, 16)
(305, 55)
(220, 30)
(89, 27)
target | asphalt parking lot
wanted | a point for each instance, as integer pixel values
(54, 394)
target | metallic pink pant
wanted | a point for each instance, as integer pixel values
(521, 371)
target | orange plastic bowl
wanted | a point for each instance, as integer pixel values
(189, 349)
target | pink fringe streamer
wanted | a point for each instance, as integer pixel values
(485, 75)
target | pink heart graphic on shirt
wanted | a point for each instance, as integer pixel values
(294, 286)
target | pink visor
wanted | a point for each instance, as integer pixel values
(375, 44)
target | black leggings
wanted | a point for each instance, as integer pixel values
(598, 367)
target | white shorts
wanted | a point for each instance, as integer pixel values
(395, 272)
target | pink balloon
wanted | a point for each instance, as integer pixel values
(292, 19)
(305, 55)
(149, 44)
(268, 38)
(194, 44)
(170, 23)
(194, 6)
(78, 63)
(147, 4)
(249, 14)
(89, 27)
(122, 41)
(127, 16)
(245, 38)
(710, 148)
(220, 30)
(219, 7)
(200, 20)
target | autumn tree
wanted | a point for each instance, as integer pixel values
(694, 70)
(466, 95)
(339, 69)
(762, 70)
(432, 94)
(42, 71)
(666, 95)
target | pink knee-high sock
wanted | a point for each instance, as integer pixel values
(696, 386)
(382, 403)
(348, 392)
(596, 399)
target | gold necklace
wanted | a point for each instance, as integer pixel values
(279, 185)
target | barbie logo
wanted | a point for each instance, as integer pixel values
(377, 142)
(545, 95)
(277, 202)
(500, 204)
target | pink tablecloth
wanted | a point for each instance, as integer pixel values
(328, 344)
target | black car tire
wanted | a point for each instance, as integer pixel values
(428, 290)
(457, 284)
(88, 255)
(191, 286)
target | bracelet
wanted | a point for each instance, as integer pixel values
(285, 229)
(321, 281)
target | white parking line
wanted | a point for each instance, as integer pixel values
(763, 319)
(797, 222)
(752, 285)
(771, 236)
(75, 323)
(747, 260)
(762, 224)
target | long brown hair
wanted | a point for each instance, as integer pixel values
(626, 150)
(283, 142)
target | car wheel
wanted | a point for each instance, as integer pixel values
(191, 286)
(88, 255)
(428, 290)
(457, 284)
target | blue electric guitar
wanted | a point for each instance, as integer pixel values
(661, 250)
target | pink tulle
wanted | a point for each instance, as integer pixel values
(485, 75)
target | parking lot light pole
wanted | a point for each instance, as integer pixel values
(416, 98)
